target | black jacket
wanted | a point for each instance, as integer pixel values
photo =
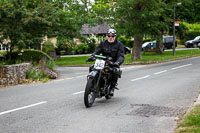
(114, 50)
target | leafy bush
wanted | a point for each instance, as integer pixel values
(127, 42)
(191, 35)
(82, 48)
(64, 46)
(91, 41)
(32, 55)
(42, 71)
(191, 31)
(91, 47)
(2, 53)
(179, 41)
(147, 40)
(34, 74)
(61, 45)
(47, 46)
(26, 55)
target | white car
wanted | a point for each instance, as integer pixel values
(151, 45)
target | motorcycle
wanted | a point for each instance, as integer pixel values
(98, 79)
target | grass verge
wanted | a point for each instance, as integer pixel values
(148, 57)
(73, 61)
(191, 122)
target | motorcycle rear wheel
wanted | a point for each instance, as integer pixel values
(89, 95)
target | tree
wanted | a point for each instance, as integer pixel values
(138, 18)
(189, 11)
(102, 11)
(164, 24)
(23, 24)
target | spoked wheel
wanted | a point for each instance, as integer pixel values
(108, 96)
(89, 96)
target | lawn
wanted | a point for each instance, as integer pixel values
(73, 61)
(148, 57)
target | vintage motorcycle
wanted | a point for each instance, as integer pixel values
(99, 79)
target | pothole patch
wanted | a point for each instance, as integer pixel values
(147, 110)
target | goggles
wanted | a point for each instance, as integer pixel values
(111, 36)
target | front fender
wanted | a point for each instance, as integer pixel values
(92, 74)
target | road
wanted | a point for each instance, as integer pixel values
(150, 100)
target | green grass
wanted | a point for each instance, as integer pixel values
(191, 122)
(73, 61)
(148, 57)
(152, 57)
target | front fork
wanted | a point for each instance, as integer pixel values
(96, 76)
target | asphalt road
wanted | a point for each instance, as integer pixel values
(150, 100)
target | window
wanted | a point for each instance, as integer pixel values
(2, 47)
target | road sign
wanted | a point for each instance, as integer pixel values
(176, 23)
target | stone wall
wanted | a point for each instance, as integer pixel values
(13, 74)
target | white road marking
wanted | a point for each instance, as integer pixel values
(181, 66)
(81, 76)
(141, 78)
(76, 93)
(9, 111)
(160, 72)
(131, 67)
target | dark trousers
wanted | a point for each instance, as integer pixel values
(115, 75)
(114, 79)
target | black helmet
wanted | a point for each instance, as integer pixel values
(112, 31)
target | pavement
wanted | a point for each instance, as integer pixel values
(75, 55)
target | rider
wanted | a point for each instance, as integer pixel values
(111, 47)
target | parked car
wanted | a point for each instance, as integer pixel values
(127, 50)
(193, 43)
(149, 45)
(168, 42)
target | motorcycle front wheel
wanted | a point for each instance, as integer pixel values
(89, 95)
(108, 96)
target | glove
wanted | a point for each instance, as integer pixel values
(110, 58)
(91, 58)
(116, 64)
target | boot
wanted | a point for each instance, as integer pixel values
(112, 89)
(111, 92)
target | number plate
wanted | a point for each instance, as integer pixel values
(99, 64)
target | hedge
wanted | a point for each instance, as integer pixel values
(30, 55)
(129, 43)
(191, 35)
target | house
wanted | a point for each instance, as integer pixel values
(97, 30)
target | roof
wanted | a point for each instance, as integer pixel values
(99, 29)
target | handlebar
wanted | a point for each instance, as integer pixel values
(94, 57)
(109, 59)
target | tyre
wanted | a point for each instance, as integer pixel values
(195, 45)
(108, 96)
(89, 95)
